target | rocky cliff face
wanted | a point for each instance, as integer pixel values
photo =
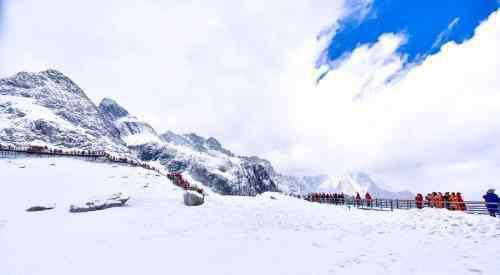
(48, 107)
(204, 159)
(220, 170)
(132, 130)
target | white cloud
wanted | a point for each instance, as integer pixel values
(243, 71)
(412, 132)
(203, 66)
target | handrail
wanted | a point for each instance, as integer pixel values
(473, 207)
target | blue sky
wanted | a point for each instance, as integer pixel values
(426, 24)
(1, 17)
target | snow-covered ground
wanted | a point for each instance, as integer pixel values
(157, 234)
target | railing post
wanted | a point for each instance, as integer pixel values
(392, 208)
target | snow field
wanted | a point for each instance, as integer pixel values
(157, 234)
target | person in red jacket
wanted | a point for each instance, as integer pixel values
(368, 199)
(419, 201)
(461, 204)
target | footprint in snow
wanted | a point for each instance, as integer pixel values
(474, 270)
(316, 244)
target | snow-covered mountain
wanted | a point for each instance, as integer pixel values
(49, 108)
(299, 185)
(358, 182)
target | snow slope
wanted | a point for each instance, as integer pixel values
(156, 234)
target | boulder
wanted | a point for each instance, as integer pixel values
(193, 198)
(115, 200)
(40, 208)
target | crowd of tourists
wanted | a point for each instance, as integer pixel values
(448, 200)
(341, 198)
(334, 198)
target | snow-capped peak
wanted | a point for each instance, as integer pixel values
(49, 107)
(359, 182)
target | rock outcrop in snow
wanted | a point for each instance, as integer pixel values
(193, 199)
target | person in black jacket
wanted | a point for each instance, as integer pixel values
(492, 202)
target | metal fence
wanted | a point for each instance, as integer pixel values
(473, 207)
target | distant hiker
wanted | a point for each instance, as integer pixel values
(419, 201)
(428, 199)
(368, 199)
(492, 201)
(439, 200)
(454, 201)
(434, 197)
(460, 201)
(447, 200)
(358, 199)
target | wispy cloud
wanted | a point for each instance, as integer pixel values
(445, 34)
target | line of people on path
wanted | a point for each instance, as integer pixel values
(341, 198)
(178, 180)
(450, 201)
(333, 198)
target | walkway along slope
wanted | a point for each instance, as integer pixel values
(176, 178)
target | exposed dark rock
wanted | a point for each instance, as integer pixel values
(40, 208)
(193, 199)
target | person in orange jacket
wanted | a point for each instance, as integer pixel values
(419, 201)
(453, 201)
(439, 200)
